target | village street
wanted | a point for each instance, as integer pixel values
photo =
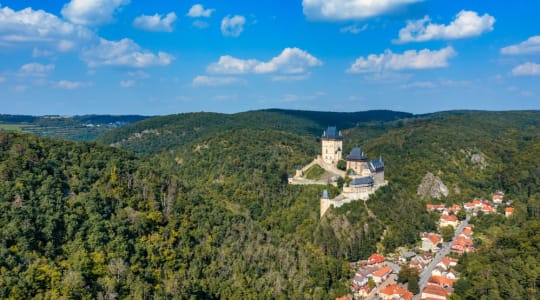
(445, 250)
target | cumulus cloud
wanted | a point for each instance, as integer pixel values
(156, 22)
(409, 60)
(216, 81)
(92, 12)
(340, 10)
(233, 26)
(127, 83)
(37, 27)
(124, 53)
(71, 85)
(531, 45)
(290, 61)
(198, 10)
(466, 24)
(527, 69)
(35, 69)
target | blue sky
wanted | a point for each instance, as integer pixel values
(163, 57)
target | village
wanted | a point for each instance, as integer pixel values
(433, 260)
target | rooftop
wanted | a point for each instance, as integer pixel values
(362, 181)
(357, 154)
(332, 133)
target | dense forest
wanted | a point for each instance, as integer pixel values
(198, 205)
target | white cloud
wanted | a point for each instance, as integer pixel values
(531, 45)
(354, 29)
(198, 10)
(233, 26)
(127, 83)
(290, 77)
(92, 12)
(465, 24)
(156, 22)
(35, 69)
(527, 69)
(123, 53)
(200, 24)
(340, 10)
(409, 60)
(139, 74)
(21, 88)
(290, 61)
(216, 81)
(37, 27)
(71, 85)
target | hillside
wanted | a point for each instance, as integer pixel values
(213, 217)
(80, 128)
(157, 134)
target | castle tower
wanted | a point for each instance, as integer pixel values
(357, 161)
(325, 202)
(332, 145)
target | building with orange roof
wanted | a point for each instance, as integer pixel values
(434, 292)
(441, 281)
(462, 244)
(448, 220)
(508, 211)
(467, 231)
(498, 197)
(430, 241)
(381, 274)
(375, 258)
(394, 291)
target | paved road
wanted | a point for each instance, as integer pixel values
(445, 250)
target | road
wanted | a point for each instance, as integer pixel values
(445, 250)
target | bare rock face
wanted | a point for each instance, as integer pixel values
(479, 159)
(432, 186)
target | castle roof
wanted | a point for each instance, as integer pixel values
(376, 165)
(332, 133)
(356, 154)
(362, 181)
(325, 194)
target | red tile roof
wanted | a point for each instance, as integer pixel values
(376, 258)
(395, 289)
(382, 271)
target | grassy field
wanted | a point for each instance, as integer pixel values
(315, 172)
(14, 127)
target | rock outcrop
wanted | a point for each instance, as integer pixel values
(432, 186)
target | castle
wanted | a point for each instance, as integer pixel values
(364, 176)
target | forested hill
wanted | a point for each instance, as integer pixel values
(214, 218)
(169, 132)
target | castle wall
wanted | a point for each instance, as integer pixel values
(378, 177)
(357, 166)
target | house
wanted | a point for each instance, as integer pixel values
(430, 241)
(394, 291)
(435, 207)
(508, 211)
(448, 220)
(364, 291)
(462, 244)
(434, 292)
(438, 270)
(381, 274)
(375, 259)
(467, 231)
(469, 206)
(447, 262)
(498, 197)
(424, 258)
(362, 276)
(441, 281)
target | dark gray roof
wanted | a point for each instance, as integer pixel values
(376, 165)
(362, 181)
(325, 194)
(332, 133)
(356, 154)
(299, 168)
